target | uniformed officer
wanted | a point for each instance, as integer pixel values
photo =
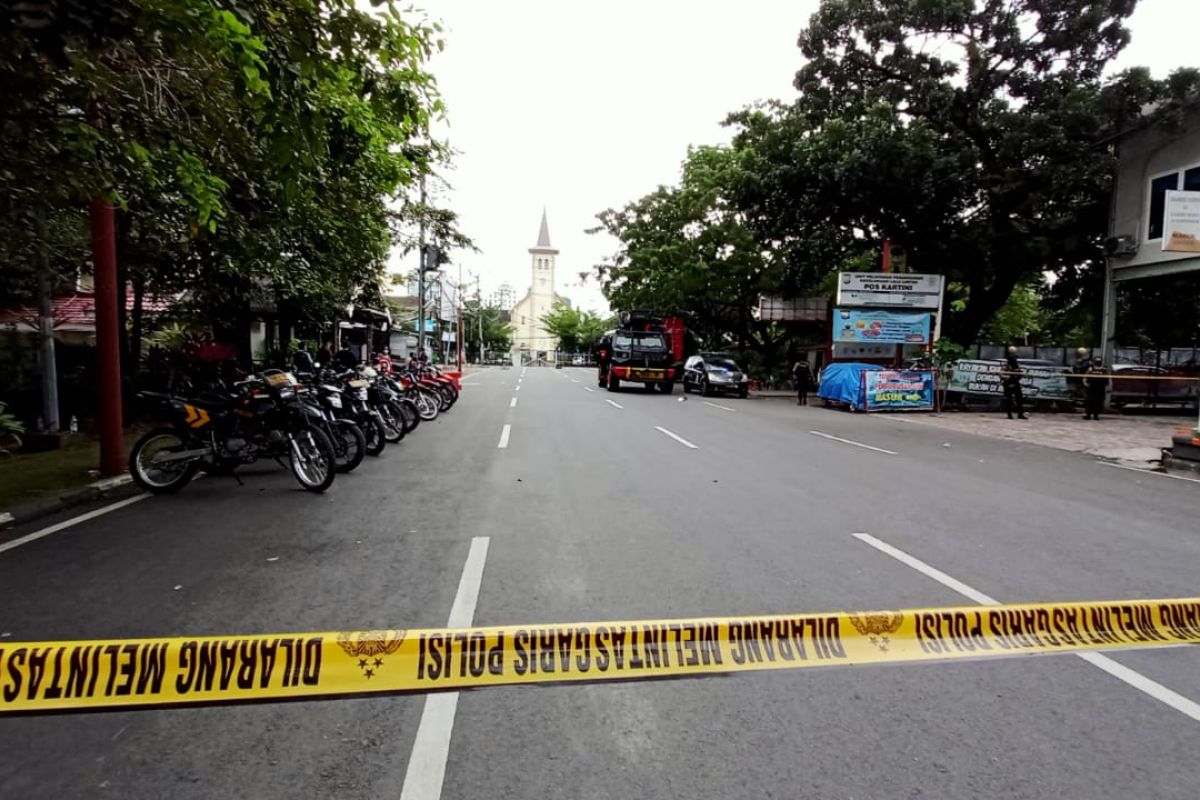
(1094, 388)
(1014, 398)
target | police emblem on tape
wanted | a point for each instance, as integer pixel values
(369, 647)
(877, 626)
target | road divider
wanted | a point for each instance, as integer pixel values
(92, 675)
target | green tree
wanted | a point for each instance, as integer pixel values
(1019, 320)
(497, 333)
(575, 330)
(972, 134)
(688, 250)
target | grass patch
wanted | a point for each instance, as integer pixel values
(32, 476)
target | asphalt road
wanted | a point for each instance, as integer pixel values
(590, 512)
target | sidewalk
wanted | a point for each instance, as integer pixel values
(1137, 439)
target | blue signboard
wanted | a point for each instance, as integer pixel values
(876, 326)
(896, 389)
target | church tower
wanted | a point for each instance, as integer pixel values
(530, 337)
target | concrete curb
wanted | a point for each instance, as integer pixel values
(116, 488)
(1173, 463)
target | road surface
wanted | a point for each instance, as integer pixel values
(541, 498)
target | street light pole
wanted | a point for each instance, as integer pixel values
(421, 274)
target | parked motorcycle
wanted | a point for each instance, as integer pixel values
(219, 431)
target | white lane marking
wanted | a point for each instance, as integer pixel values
(504, 436)
(1119, 671)
(67, 523)
(513, 404)
(574, 380)
(588, 389)
(676, 437)
(613, 404)
(855, 444)
(1149, 472)
(932, 572)
(427, 765)
(518, 388)
(723, 408)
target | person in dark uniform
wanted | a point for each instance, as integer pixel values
(802, 380)
(1082, 366)
(1014, 398)
(1095, 389)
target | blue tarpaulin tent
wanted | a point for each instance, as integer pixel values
(842, 382)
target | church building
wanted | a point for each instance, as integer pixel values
(529, 337)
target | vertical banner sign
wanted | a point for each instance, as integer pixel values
(908, 390)
(1181, 222)
(871, 326)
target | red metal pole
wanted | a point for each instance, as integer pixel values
(108, 352)
(887, 255)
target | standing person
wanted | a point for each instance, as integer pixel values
(801, 379)
(1094, 388)
(345, 358)
(384, 360)
(1014, 397)
(326, 354)
(1082, 365)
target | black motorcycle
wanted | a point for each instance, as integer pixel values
(349, 441)
(219, 431)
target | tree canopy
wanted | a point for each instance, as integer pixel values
(260, 152)
(575, 330)
(974, 135)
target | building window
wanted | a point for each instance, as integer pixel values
(1158, 198)
(1191, 180)
(1158, 202)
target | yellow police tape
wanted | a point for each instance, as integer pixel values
(83, 675)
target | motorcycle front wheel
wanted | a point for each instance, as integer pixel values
(412, 417)
(149, 463)
(353, 445)
(310, 456)
(393, 424)
(372, 428)
(428, 405)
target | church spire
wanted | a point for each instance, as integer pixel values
(544, 233)
(543, 243)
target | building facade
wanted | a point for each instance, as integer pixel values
(504, 298)
(1151, 161)
(530, 338)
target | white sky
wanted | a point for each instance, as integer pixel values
(580, 107)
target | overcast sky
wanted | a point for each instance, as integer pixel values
(581, 106)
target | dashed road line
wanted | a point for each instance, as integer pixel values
(854, 443)
(613, 404)
(513, 404)
(676, 437)
(505, 431)
(1099, 660)
(427, 765)
(588, 389)
(716, 405)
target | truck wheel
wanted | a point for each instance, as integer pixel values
(614, 382)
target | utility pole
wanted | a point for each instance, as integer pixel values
(421, 274)
(458, 329)
(479, 314)
(46, 329)
(108, 348)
